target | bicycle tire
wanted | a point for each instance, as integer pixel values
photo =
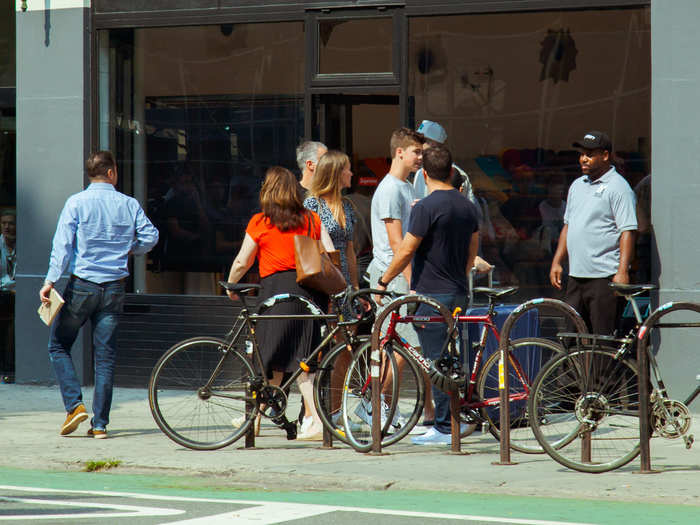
(328, 386)
(407, 397)
(588, 385)
(187, 412)
(530, 353)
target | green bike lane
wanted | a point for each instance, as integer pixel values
(211, 497)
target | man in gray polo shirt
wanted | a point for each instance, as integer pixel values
(598, 235)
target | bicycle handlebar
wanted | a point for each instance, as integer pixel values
(367, 291)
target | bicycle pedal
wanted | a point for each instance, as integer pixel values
(689, 440)
(485, 427)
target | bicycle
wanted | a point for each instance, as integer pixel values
(585, 404)
(204, 393)
(479, 394)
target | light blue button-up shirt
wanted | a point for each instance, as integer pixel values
(97, 230)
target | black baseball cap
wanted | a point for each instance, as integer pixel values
(594, 140)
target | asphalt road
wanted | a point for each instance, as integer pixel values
(40, 497)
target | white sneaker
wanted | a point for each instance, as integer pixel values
(399, 420)
(237, 422)
(364, 412)
(305, 424)
(435, 437)
(313, 433)
(432, 437)
(418, 430)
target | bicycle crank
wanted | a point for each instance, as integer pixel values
(273, 401)
(671, 419)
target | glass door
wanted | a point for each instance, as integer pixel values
(353, 84)
(359, 125)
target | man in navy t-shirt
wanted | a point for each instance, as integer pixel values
(442, 239)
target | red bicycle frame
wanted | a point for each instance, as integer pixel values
(488, 325)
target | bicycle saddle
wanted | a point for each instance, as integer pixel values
(630, 290)
(495, 293)
(239, 287)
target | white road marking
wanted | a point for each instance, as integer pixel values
(126, 510)
(261, 510)
(267, 514)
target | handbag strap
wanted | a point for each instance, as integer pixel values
(310, 222)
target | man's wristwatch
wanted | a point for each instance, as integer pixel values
(382, 283)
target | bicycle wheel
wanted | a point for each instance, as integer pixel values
(197, 394)
(402, 397)
(328, 386)
(527, 356)
(588, 397)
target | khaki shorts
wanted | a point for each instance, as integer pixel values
(398, 284)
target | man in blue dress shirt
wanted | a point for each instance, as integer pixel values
(97, 231)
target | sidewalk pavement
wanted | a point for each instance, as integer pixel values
(30, 418)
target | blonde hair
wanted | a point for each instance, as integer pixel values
(325, 183)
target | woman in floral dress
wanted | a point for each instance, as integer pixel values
(332, 175)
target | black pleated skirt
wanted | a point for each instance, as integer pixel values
(284, 343)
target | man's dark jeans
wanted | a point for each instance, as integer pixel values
(432, 337)
(101, 304)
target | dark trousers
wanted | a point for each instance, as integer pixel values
(595, 301)
(101, 304)
(432, 336)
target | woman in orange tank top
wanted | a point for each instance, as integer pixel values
(270, 238)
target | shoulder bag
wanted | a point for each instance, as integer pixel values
(315, 268)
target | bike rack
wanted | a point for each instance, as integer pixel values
(504, 370)
(644, 376)
(249, 405)
(375, 364)
(375, 368)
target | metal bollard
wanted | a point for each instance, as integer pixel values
(504, 407)
(249, 407)
(456, 430)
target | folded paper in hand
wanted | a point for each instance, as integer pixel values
(48, 312)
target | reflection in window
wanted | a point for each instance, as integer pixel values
(355, 46)
(196, 116)
(513, 91)
(8, 191)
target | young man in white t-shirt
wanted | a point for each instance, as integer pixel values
(391, 204)
(391, 209)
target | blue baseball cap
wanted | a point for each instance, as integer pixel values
(433, 131)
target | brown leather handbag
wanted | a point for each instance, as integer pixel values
(315, 268)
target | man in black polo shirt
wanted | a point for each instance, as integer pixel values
(443, 234)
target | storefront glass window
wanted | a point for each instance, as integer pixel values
(7, 107)
(355, 46)
(196, 115)
(513, 91)
(8, 197)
